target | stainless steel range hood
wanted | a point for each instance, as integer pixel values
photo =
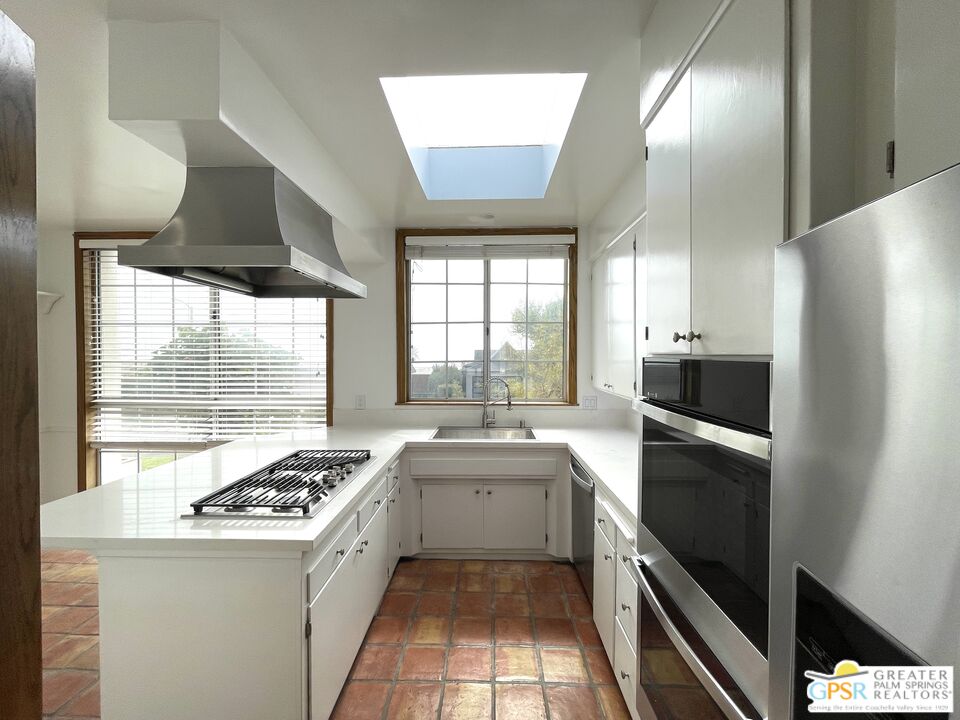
(249, 230)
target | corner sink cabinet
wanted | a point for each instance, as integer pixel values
(488, 501)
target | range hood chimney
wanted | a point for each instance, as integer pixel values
(248, 230)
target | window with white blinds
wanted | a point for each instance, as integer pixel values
(169, 362)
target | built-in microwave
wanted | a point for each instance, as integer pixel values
(704, 539)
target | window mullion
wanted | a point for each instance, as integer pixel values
(486, 328)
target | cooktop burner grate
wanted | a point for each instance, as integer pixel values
(293, 485)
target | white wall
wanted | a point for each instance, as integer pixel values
(56, 346)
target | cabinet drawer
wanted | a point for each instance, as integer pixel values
(393, 476)
(625, 669)
(627, 600)
(318, 575)
(604, 520)
(373, 503)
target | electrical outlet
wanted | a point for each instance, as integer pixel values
(360, 402)
(589, 402)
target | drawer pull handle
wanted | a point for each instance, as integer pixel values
(624, 606)
(624, 675)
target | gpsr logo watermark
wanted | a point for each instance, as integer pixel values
(881, 688)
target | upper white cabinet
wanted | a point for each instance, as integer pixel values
(614, 303)
(668, 223)
(716, 193)
(737, 150)
(670, 31)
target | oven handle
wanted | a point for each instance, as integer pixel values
(585, 483)
(755, 445)
(710, 684)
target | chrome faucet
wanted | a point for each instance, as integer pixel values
(485, 421)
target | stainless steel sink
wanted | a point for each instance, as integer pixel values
(452, 432)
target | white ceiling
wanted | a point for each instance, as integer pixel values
(326, 57)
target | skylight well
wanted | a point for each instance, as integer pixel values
(484, 137)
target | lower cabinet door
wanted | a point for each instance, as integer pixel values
(625, 668)
(333, 645)
(604, 590)
(451, 516)
(394, 529)
(514, 517)
(351, 597)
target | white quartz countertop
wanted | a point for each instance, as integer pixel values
(143, 512)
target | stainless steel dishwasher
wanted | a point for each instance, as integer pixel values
(581, 506)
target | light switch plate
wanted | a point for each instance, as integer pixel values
(589, 402)
(360, 402)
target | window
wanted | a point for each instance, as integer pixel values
(171, 367)
(474, 307)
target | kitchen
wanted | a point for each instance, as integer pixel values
(538, 361)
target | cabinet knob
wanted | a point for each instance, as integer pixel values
(489, 492)
(677, 337)
(624, 606)
(364, 543)
(392, 500)
(376, 503)
(691, 336)
(607, 557)
(476, 492)
(624, 675)
(341, 551)
(601, 521)
(360, 551)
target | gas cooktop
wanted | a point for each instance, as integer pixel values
(295, 486)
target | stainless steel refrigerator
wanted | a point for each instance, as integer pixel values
(866, 424)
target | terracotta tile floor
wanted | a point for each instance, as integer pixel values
(71, 629)
(453, 639)
(482, 639)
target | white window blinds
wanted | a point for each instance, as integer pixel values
(169, 361)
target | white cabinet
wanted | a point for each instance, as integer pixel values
(394, 529)
(737, 147)
(668, 222)
(514, 516)
(620, 307)
(351, 596)
(451, 515)
(466, 515)
(614, 320)
(716, 191)
(604, 589)
(601, 326)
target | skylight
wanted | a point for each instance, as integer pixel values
(484, 136)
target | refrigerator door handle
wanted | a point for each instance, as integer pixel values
(745, 442)
(710, 683)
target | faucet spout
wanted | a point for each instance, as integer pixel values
(486, 421)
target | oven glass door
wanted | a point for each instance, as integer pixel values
(705, 496)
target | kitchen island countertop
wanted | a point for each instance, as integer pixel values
(143, 512)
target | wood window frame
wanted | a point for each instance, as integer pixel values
(403, 308)
(87, 459)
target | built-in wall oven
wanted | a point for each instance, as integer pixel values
(704, 538)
